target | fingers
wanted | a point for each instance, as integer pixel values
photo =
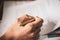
(37, 23)
(25, 19)
(34, 25)
(30, 26)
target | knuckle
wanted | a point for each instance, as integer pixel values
(40, 20)
(26, 15)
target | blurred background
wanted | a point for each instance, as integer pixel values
(1, 9)
(2, 3)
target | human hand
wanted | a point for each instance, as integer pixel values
(30, 31)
